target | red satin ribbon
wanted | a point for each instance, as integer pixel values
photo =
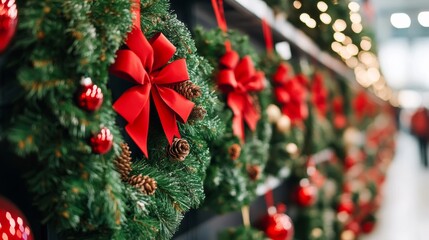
(340, 120)
(237, 79)
(268, 36)
(363, 106)
(221, 21)
(146, 64)
(319, 95)
(291, 94)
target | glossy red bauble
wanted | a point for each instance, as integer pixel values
(8, 22)
(102, 142)
(90, 97)
(279, 226)
(306, 194)
(354, 227)
(346, 206)
(13, 224)
(368, 226)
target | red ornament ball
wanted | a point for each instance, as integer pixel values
(89, 96)
(346, 206)
(8, 22)
(306, 194)
(354, 227)
(13, 224)
(279, 226)
(102, 142)
(368, 226)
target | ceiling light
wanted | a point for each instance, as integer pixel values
(283, 49)
(400, 20)
(423, 18)
(354, 6)
(322, 6)
(410, 99)
(325, 18)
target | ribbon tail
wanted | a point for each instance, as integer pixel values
(180, 105)
(238, 127)
(251, 115)
(166, 116)
(237, 104)
(139, 129)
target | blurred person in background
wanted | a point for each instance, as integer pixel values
(419, 126)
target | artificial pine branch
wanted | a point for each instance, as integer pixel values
(123, 162)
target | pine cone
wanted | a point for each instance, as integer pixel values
(254, 172)
(145, 184)
(256, 104)
(234, 151)
(179, 149)
(198, 113)
(123, 162)
(187, 89)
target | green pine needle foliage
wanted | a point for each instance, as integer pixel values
(78, 192)
(279, 157)
(242, 233)
(228, 185)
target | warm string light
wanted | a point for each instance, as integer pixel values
(356, 55)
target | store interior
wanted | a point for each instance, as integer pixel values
(214, 119)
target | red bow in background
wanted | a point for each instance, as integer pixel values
(319, 94)
(146, 64)
(340, 120)
(363, 106)
(291, 94)
(237, 79)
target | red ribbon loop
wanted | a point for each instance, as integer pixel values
(146, 64)
(291, 94)
(268, 36)
(237, 81)
(319, 95)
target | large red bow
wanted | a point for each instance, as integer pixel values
(237, 79)
(146, 64)
(319, 94)
(363, 106)
(340, 120)
(291, 94)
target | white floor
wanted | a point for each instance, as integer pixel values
(404, 214)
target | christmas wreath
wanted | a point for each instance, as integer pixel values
(87, 179)
(240, 154)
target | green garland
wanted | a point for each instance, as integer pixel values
(78, 192)
(228, 185)
(279, 156)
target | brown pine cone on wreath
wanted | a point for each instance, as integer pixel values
(254, 172)
(145, 184)
(123, 162)
(198, 113)
(179, 149)
(187, 89)
(234, 151)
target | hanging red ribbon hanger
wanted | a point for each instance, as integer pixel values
(237, 78)
(268, 37)
(146, 63)
(277, 225)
